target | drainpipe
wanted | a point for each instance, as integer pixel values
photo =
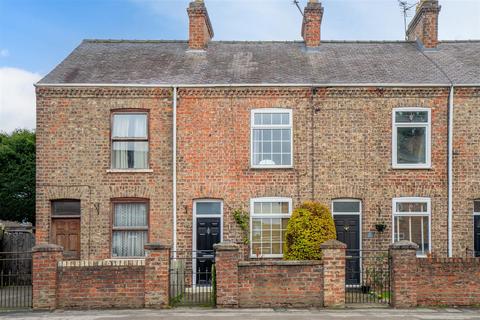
(450, 170)
(174, 170)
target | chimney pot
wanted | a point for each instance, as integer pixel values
(424, 25)
(311, 25)
(200, 28)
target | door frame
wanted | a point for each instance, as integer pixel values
(475, 215)
(360, 229)
(194, 231)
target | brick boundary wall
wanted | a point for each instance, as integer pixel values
(100, 283)
(432, 281)
(277, 283)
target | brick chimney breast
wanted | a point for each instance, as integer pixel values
(312, 20)
(424, 25)
(200, 29)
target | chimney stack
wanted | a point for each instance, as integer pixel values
(312, 20)
(200, 28)
(424, 25)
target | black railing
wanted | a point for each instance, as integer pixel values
(192, 278)
(15, 280)
(367, 277)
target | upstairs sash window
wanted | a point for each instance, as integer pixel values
(129, 140)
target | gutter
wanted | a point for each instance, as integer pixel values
(450, 170)
(244, 85)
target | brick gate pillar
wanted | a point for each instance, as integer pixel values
(227, 256)
(333, 256)
(45, 258)
(403, 274)
(157, 275)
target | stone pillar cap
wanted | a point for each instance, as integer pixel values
(225, 246)
(156, 246)
(47, 247)
(333, 244)
(404, 245)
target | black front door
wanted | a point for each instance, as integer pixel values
(348, 232)
(208, 233)
(476, 232)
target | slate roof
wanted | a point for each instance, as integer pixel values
(236, 62)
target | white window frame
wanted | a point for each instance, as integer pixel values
(271, 126)
(410, 214)
(428, 135)
(267, 216)
(475, 214)
(194, 230)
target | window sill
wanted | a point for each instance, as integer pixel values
(271, 167)
(397, 167)
(129, 170)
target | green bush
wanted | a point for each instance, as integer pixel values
(311, 224)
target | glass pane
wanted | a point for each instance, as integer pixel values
(411, 145)
(286, 134)
(277, 158)
(130, 155)
(130, 215)
(286, 159)
(66, 208)
(208, 208)
(286, 147)
(411, 116)
(256, 249)
(129, 126)
(276, 147)
(276, 118)
(476, 206)
(257, 118)
(346, 206)
(401, 229)
(276, 248)
(412, 207)
(266, 118)
(257, 207)
(284, 223)
(285, 118)
(128, 243)
(277, 134)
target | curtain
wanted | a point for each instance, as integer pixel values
(130, 126)
(129, 243)
(130, 215)
(130, 154)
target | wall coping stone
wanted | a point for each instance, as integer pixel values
(102, 263)
(280, 263)
(156, 246)
(226, 246)
(47, 247)
(404, 245)
(333, 244)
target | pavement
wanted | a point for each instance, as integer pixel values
(250, 314)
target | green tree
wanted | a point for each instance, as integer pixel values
(311, 224)
(17, 176)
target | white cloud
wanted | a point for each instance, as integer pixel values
(4, 53)
(17, 99)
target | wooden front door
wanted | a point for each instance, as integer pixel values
(66, 233)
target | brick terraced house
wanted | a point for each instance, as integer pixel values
(160, 141)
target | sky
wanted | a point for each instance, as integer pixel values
(36, 35)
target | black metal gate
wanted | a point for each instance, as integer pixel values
(367, 275)
(15, 280)
(192, 278)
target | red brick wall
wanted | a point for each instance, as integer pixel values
(448, 282)
(73, 146)
(101, 284)
(280, 284)
(73, 161)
